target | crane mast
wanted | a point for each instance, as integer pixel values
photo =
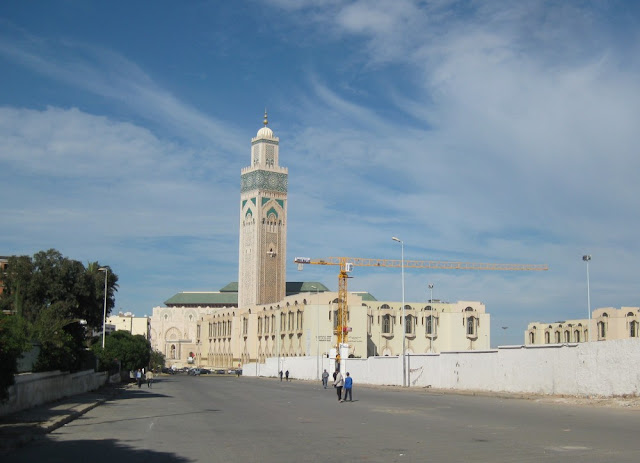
(346, 265)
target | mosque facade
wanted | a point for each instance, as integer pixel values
(263, 315)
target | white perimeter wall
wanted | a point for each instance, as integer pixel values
(33, 389)
(609, 368)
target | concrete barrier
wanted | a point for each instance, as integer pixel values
(604, 369)
(32, 389)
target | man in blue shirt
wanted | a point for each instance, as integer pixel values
(348, 387)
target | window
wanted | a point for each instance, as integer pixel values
(431, 325)
(547, 338)
(567, 336)
(173, 351)
(471, 326)
(576, 336)
(408, 324)
(259, 325)
(245, 326)
(633, 329)
(532, 337)
(602, 329)
(386, 324)
(557, 337)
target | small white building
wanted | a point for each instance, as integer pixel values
(129, 322)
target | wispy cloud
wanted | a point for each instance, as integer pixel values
(112, 76)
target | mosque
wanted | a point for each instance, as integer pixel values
(263, 315)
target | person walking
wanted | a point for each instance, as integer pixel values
(139, 377)
(280, 375)
(325, 378)
(338, 384)
(149, 378)
(348, 387)
(287, 374)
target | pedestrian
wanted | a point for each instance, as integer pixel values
(334, 374)
(280, 375)
(287, 374)
(149, 378)
(338, 384)
(139, 377)
(348, 387)
(325, 378)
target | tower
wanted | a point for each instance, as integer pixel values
(263, 223)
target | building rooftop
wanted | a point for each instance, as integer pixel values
(228, 295)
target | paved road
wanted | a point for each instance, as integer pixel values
(229, 419)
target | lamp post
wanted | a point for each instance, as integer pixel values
(404, 320)
(431, 290)
(317, 334)
(104, 310)
(587, 258)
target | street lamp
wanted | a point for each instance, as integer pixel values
(104, 310)
(317, 334)
(404, 320)
(431, 289)
(587, 258)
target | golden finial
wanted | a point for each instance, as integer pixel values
(266, 121)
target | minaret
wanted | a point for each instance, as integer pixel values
(263, 223)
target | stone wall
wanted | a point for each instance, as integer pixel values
(32, 389)
(605, 369)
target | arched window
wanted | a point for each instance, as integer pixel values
(567, 336)
(386, 324)
(431, 325)
(471, 326)
(408, 324)
(576, 336)
(532, 337)
(557, 337)
(547, 338)
(633, 329)
(602, 329)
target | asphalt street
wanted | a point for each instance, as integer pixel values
(227, 419)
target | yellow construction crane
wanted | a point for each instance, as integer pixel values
(346, 265)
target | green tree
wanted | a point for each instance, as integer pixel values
(157, 361)
(49, 292)
(133, 351)
(13, 341)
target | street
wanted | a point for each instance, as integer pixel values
(226, 419)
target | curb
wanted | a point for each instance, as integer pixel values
(76, 412)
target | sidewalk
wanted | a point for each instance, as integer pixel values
(22, 427)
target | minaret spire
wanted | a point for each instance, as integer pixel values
(266, 120)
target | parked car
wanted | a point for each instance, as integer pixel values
(221, 372)
(194, 372)
(204, 371)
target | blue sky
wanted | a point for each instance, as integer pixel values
(492, 131)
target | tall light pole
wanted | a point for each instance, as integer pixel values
(104, 310)
(404, 320)
(431, 289)
(317, 334)
(587, 258)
